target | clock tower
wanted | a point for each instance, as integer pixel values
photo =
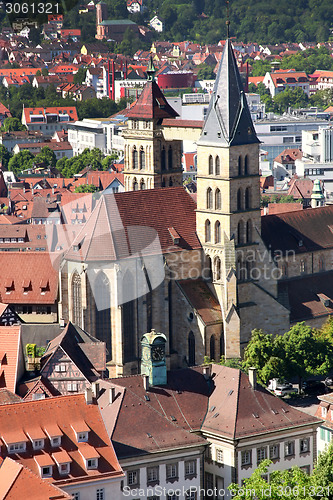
(153, 362)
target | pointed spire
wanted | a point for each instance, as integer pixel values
(151, 70)
(228, 121)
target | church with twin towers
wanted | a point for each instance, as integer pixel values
(204, 273)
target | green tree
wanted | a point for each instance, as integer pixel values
(5, 156)
(206, 72)
(21, 161)
(322, 475)
(86, 188)
(80, 76)
(12, 124)
(46, 156)
(45, 71)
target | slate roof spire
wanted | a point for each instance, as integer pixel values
(228, 121)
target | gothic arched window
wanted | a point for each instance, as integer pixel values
(210, 165)
(249, 231)
(142, 184)
(102, 296)
(217, 266)
(135, 158)
(191, 349)
(217, 166)
(217, 232)
(142, 159)
(77, 299)
(247, 198)
(135, 185)
(239, 165)
(209, 200)
(240, 233)
(217, 199)
(207, 230)
(246, 165)
(170, 182)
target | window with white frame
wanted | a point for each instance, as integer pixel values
(304, 445)
(100, 494)
(92, 463)
(132, 477)
(46, 471)
(152, 474)
(60, 368)
(289, 448)
(171, 471)
(261, 454)
(72, 386)
(55, 441)
(323, 411)
(274, 451)
(38, 444)
(219, 455)
(64, 468)
(246, 457)
(17, 447)
(190, 467)
(82, 437)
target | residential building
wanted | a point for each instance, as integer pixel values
(10, 139)
(11, 359)
(157, 24)
(134, 6)
(317, 159)
(278, 81)
(325, 430)
(284, 163)
(115, 29)
(64, 440)
(60, 149)
(48, 120)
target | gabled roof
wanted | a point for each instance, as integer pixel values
(31, 267)
(8, 397)
(236, 410)
(71, 340)
(108, 234)
(58, 417)
(301, 231)
(228, 120)
(17, 482)
(202, 300)
(151, 104)
(9, 354)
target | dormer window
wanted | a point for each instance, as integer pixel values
(26, 285)
(38, 444)
(56, 441)
(92, 463)
(63, 461)
(46, 471)
(82, 437)
(9, 286)
(16, 447)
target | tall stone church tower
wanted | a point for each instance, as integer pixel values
(228, 209)
(150, 160)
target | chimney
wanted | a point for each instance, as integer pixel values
(95, 389)
(112, 395)
(88, 395)
(145, 379)
(207, 370)
(253, 377)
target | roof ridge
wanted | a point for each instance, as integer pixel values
(237, 405)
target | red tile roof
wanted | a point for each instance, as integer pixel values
(281, 208)
(10, 346)
(55, 416)
(183, 123)
(202, 299)
(289, 155)
(17, 482)
(104, 236)
(32, 267)
(151, 104)
(302, 231)
(57, 110)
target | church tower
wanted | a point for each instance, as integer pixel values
(150, 160)
(228, 203)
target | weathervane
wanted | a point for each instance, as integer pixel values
(228, 20)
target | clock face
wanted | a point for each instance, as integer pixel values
(157, 353)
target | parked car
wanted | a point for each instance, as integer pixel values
(329, 382)
(314, 387)
(280, 387)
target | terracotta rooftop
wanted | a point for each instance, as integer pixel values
(32, 267)
(115, 228)
(151, 104)
(202, 300)
(301, 231)
(55, 416)
(10, 346)
(16, 481)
